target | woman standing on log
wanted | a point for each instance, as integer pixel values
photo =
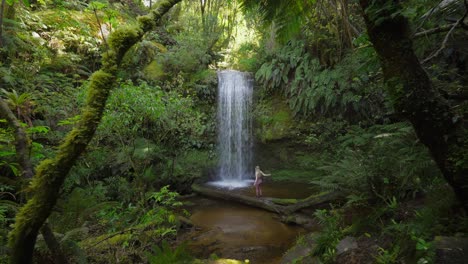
(258, 180)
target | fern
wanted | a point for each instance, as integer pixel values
(314, 89)
(165, 254)
(380, 162)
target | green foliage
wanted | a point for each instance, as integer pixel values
(165, 254)
(287, 17)
(8, 163)
(189, 56)
(381, 162)
(313, 89)
(247, 57)
(165, 197)
(193, 162)
(79, 204)
(388, 256)
(330, 235)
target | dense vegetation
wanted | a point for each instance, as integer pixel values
(109, 115)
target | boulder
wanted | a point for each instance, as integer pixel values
(351, 250)
(453, 250)
(301, 253)
(347, 243)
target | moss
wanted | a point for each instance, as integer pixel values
(109, 62)
(146, 22)
(274, 120)
(154, 71)
(123, 39)
(161, 47)
(102, 242)
(284, 201)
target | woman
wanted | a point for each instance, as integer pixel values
(258, 180)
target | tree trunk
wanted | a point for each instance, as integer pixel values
(270, 204)
(53, 245)
(2, 9)
(413, 95)
(21, 140)
(51, 173)
(22, 145)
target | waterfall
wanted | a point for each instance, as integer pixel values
(234, 129)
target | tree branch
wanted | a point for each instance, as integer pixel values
(444, 43)
(434, 30)
(426, 16)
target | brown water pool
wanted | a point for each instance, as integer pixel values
(232, 230)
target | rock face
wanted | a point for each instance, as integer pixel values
(347, 243)
(453, 250)
(351, 250)
(301, 253)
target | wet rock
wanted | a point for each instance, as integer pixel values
(453, 250)
(347, 243)
(355, 256)
(252, 249)
(351, 250)
(184, 222)
(301, 253)
(299, 219)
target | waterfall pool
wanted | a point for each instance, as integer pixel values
(232, 230)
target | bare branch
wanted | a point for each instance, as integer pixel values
(426, 16)
(444, 43)
(433, 30)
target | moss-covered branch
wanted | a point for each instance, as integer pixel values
(51, 173)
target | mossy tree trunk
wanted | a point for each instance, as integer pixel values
(51, 173)
(414, 96)
(22, 145)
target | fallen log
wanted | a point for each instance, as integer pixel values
(263, 203)
(315, 201)
(280, 206)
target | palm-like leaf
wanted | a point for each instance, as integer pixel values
(286, 16)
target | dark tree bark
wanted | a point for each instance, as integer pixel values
(414, 96)
(51, 173)
(21, 140)
(2, 9)
(53, 245)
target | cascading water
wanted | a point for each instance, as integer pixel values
(234, 129)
